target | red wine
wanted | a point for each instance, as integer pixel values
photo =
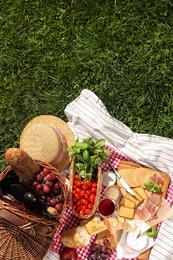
(25, 194)
(106, 207)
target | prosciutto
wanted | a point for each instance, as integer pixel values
(156, 179)
(148, 209)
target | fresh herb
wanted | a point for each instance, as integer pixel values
(153, 187)
(88, 156)
(151, 232)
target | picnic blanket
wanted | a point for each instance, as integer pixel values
(88, 117)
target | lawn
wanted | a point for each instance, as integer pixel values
(121, 50)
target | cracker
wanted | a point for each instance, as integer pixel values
(127, 203)
(126, 212)
(141, 192)
(132, 198)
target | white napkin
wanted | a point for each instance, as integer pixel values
(88, 117)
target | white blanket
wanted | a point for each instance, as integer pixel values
(88, 117)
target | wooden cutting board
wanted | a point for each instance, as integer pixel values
(132, 165)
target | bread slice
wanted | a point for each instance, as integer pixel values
(95, 225)
(127, 203)
(75, 237)
(140, 191)
(126, 212)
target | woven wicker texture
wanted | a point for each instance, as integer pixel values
(41, 144)
(98, 193)
(26, 214)
(16, 244)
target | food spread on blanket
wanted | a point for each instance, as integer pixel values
(119, 221)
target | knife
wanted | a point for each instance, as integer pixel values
(123, 182)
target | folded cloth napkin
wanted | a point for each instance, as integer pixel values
(88, 117)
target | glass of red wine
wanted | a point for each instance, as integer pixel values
(108, 208)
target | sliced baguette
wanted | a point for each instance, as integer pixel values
(75, 237)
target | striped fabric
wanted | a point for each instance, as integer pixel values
(88, 117)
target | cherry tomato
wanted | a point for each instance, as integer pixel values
(86, 196)
(76, 177)
(88, 183)
(78, 190)
(93, 190)
(92, 198)
(94, 185)
(82, 183)
(74, 187)
(78, 203)
(82, 193)
(87, 211)
(88, 192)
(81, 213)
(77, 197)
(90, 205)
(84, 201)
(84, 207)
(84, 187)
(77, 183)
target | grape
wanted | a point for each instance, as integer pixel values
(42, 174)
(46, 170)
(35, 183)
(104, 249)
(56, 191)
(58, 206)
(106, 242)
(109, 251)
(49, 183)
(60, 198)
(39, 187)
(51, 176)
(57, 185)
(46, 189)
(53, 202)
(39, 177)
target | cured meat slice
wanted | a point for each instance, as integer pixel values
(156, 179)
(142, 212)
(156, 198)
(148, 209)
(151, 206)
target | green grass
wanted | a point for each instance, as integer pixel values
(51, 50)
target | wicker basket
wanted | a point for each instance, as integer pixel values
(99, 187)
(15, 244)
(33, 234)
(28, 215)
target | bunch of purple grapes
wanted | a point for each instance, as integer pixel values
(49, 188)
(100, 252)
